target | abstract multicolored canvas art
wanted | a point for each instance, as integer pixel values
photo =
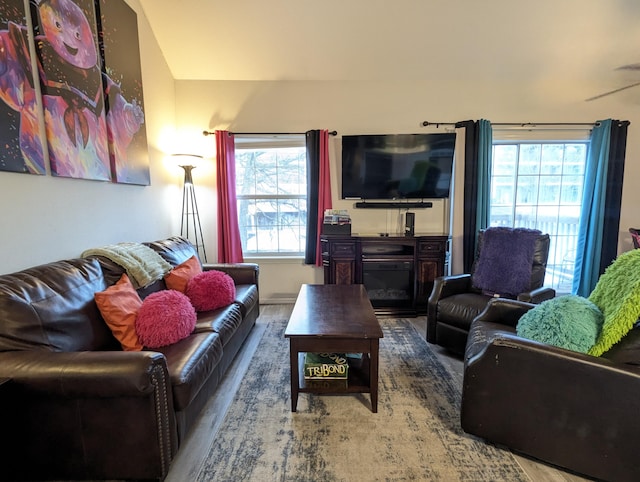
(91, 105)
(118, 27)
(71, 81)
(21, 148)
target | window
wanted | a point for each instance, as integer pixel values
(538, 185)
(271, 187)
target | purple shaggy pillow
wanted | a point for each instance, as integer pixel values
(165, 318)
(210, 290)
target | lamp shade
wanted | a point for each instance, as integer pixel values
(187, 159)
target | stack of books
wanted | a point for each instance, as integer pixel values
(336, 221)
(336, 216)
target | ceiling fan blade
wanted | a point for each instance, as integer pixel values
(629, 67)
(612, 92)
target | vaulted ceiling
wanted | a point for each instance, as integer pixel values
(575, 43)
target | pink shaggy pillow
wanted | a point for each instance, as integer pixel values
(165, 318)
(210, 290)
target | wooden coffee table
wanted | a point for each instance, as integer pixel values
(334, 319)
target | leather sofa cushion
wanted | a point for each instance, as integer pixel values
(174, 250)
(191, 362)
(32, 301)
(460, 310)
(224, 321)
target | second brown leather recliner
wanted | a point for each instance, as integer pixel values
(455, 301)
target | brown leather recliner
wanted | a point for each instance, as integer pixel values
(566, 408)
(454, 301)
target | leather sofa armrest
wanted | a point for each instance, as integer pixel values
(504, 311)
(443, 287)
(242, 273)
(538, 295)
(109, 405)
(86, 374)
(516, 354)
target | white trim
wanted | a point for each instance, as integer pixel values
(270, 141)
(275, 259)
(541, 134)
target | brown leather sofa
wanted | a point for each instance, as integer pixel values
(73, 405)
(565, 408)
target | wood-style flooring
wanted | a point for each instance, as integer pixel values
(195, 448)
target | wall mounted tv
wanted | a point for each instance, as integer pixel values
(397, 166)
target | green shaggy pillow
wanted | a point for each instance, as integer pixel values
(617, 294)
(571, 322)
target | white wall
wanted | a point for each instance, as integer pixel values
(387, 107)
(46, 218)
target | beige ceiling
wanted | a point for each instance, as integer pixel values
(579, 42)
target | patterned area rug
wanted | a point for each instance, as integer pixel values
(415, 435)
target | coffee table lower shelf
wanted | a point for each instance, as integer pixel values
(357, 381)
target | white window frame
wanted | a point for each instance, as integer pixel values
(271, 141)
(560, 260)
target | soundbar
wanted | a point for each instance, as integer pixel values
(392, 205)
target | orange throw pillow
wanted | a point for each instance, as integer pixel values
(178, 278)
(119, 305)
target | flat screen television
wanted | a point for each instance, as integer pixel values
(397, 166)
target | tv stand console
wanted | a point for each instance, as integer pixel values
(397, 271)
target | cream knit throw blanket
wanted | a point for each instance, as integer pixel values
(142, 264)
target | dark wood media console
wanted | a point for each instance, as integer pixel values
(397, 271)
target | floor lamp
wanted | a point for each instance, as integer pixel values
(190, 222)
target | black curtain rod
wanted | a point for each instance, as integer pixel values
(210, 133)
(518, 124)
